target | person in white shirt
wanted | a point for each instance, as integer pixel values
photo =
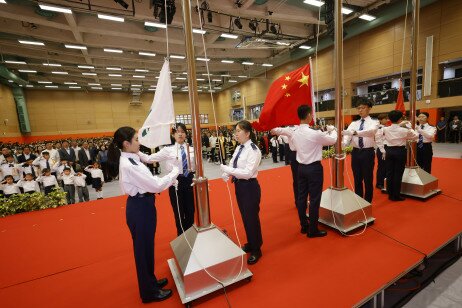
(176, 155)
(281, 148)
(10, 168)
(213, 145)
(427, 134)
(243, 168)
(97, 179)
(381, 168)
(29, 185)
(137, 181)
(27, 167)
(54, 154)
(291, 155)
(361, 134)
(5, 152)
(58, 168)
(48, 180)
(81, 186)
(395, 139)
(308, 143)
(43, 161)
(9, 187)
(68, 185)
(274, 148)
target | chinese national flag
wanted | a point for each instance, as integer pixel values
(285, 95)
(400, 100)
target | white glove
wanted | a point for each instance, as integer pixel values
(330, 128)
(175, 184)
(273, 132)
(347, 132)
(225, 177)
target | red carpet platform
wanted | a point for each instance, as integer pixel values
(81, 255)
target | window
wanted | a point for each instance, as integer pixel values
(186, 118)
(255, 111)
(237, 114)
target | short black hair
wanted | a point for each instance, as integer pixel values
(364, 101)
(8, 176)
(45, 153)
(65, 169)
(179, 125)
(395, 116)
(425, 113)
(303, 111)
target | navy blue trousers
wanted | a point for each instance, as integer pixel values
(294, 168)
(142, 222)
(186, 203)
(248, 196)
(362, 163)
(310, 179)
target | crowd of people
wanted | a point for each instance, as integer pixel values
(449, 130)
(43, 166)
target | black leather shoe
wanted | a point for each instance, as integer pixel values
(304, 229)
(254, 257)
(319, 233)
(246, 248)
(162, 283)
(158, 296)
(397, 199)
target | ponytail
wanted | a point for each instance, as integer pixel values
(114, 150)
(247, 127)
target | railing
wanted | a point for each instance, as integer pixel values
(450, 87)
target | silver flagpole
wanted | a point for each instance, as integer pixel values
(341, 208)
(416, 181)
(205, 259)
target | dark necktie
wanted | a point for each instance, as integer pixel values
(235, 160)
(360, 139)
(420, 142)
(184, 161)
(32, 171)
(48, 165)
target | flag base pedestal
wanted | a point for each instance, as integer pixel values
(343, 210)
(203, 252)
(419, 184)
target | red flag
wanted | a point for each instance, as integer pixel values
(285, 95)
(400, 100)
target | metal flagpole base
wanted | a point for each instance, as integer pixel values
(212, 250)
(349, 210)
(419, 184)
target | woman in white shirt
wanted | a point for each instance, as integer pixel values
(177, 155)
(243, 168)
(138, 182)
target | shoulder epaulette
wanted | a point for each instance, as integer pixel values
(133, 161)
(254, 147)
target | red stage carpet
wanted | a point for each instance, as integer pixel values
(81, 255)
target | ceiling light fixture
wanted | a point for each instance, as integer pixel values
(267, 64)
(304, 47)
(141, 70)
(75, 46)
(227, 61)
(139, 76)
(109, 17)
(89, 74)
(113, 68)
(148, 54)
(346, 11)
(51, 86)
(51, 64)
(116, 88)
(75, 87)
(114, 75)
(94, 84)
(60, 73)
(52, 8)
(177, 57)
(229, 35)
(116, 84)
(113, 50)
(232, 81)
(70, 83)
(248, 63)
(203, 59)
(367, 17)
(86, 66)
(155, 24)
(242, 76)
(199, 31)
(314, 2)
(15, 62)
(31, 43)
(96, 88)
(44, 82)
(27, 71)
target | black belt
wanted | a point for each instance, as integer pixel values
(362, 149)
(138, 195)
(183, 176)
(236, 180)
(68, 184)
(396, 146)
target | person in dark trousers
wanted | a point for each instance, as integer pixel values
(243, 169)
(381, 169)
(441, 130)
(308, 143)
(427, 133)
(177, 155)
(361, 134)
(454, 129)
(395, 139)
(274, 148)
(281, 148)
(138, 182)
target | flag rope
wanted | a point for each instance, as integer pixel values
(166, 28)
(404, 39)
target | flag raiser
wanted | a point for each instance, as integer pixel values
(156, 128)
(284, 96)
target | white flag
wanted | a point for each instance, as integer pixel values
(156, 128)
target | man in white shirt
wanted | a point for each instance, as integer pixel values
(395, 139)
(274, 148)
(308, 143)
(381, 169)
(361, 134)
(213, 145)
(424, 144)
(54, 155)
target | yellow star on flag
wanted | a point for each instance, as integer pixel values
(287, 94)
(304, 80)
(284, 86)
(287, 78)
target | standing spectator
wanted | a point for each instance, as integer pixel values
(67, 153)
(54, 155)
(76, 149)
(68, 185)
(221, 147)
(441, 130)
(81, 186)
(454, 130)
(281, 148)
(97, 179)
(102, 159)
(274, 148)
(424, 144)
(213, 144)
(26, 154)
